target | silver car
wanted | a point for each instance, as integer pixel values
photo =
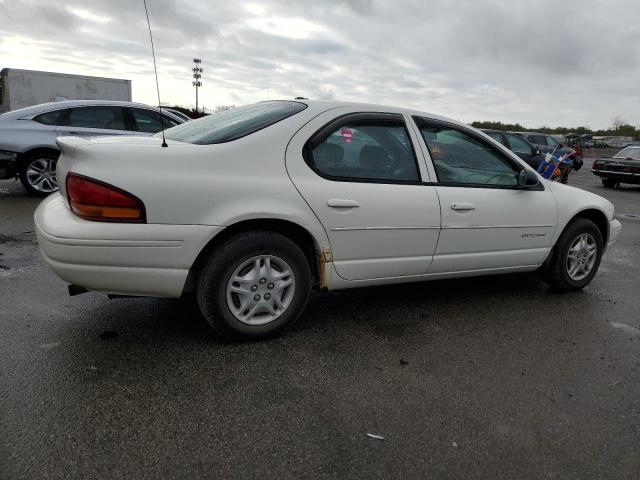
(28, 147)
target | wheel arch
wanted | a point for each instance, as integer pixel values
(23, 156)
(599, 218)
(596, 216)
(295, 232)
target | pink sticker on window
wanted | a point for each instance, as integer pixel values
(347, 135)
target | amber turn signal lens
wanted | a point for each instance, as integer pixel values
(101, 202)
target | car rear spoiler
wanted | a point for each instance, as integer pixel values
(69, 144)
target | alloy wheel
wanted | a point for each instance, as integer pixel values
(581, 256)
(41, 175)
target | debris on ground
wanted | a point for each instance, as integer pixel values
(377, 437)
(404, 362)
(455, 445)
(49, 346)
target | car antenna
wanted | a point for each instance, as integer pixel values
(155, 69)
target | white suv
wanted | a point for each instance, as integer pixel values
(28, 147)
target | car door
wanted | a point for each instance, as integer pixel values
(147, 122)
(94, 120)
(488, 221)
(540, 142)
(359, 174)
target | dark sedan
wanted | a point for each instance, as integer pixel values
(518, 145)
(545, 143)
(624, 167)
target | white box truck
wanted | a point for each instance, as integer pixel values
(24, 88)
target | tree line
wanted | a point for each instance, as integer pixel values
(619, 127)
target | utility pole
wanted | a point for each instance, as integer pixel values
(197, 75)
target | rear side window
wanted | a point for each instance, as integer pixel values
(233, 124)
(552, 142)
(496, 136)
(49, 118)
(148, 121)
(109, 118)
(365, 150)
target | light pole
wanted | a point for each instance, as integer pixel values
(197, 75)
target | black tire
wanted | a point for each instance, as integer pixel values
(609, 182)
(556, 273)
(49, 157)
(211, 290)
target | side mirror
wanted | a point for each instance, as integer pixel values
(536, 151)
(527, 178)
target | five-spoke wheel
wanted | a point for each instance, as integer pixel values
(576, 256)
(581, 256)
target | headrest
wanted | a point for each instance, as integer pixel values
(373, 157)
(328, 152)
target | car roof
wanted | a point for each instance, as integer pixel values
(325, 105)
(47, 107)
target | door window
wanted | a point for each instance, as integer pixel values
(367, 150)
(552, 142)
(519, 145)
(49, 118)
(110, 118)
(148, 121)
(537, 139)
(496, 136)
(462, 158)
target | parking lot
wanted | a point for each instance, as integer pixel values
(492, 377)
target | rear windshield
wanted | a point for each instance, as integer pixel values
(233, 124)
(633, 153)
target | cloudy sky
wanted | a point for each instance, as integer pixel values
(537, 62)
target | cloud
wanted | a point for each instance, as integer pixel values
(540, 62)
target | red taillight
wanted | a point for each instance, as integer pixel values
(634, 169)
(94, 200)
(597, 165)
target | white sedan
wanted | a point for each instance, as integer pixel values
(251, 208)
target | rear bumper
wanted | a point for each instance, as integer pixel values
(622, 177)
(127, 259)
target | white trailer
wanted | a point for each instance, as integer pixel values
(24, 88)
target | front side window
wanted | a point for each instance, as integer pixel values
(109, 118)
(367, 150)
(234, 123)
(49, 118)
(519, 145)
(537, 139)
(462, 158)
(148, 121)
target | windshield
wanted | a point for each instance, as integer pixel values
(233, 124)
(629, 152)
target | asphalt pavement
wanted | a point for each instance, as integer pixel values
(493, 377)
